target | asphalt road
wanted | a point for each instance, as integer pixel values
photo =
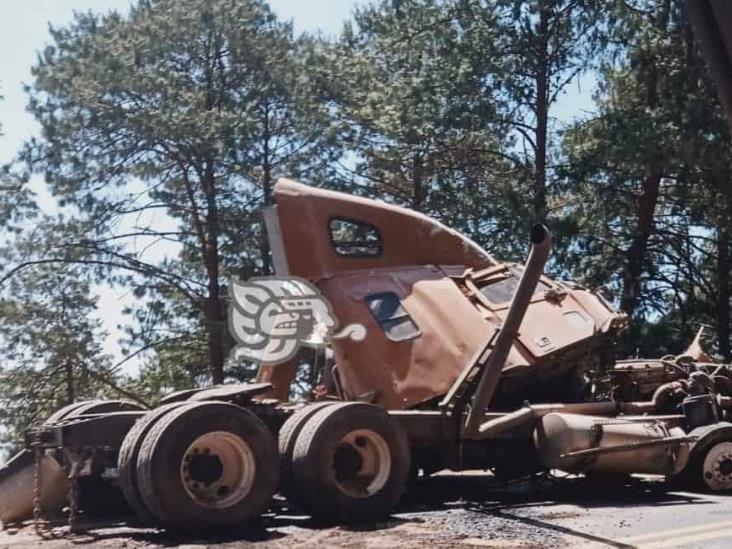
(577, 513)
(573, 512)
(467, 510)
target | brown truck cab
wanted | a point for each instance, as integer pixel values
(430, 298)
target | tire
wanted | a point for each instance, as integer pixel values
(105, 406)
(96, 495)
(191, 456)
(76, 409)
(709, 468)
(127, 460)
(331, 454)
(67, 410)
(287, 438)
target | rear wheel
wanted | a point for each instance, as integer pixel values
(351, 462)
(96, 494)
(67, 410)
(127, 460)
(207, 464)
(85, 407)
(287, 438)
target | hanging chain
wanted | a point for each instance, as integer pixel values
(37, 511)
(40, 524)
(73, 497)
(76, 460)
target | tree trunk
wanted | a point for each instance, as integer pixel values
(542, 114)
(213, 310)
(723, 312)
(636, 254)
(417, 184)
(213, 307)
(215, 340)
(266, 190)
(70, 392)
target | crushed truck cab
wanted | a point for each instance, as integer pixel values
(430, 298)
(466, 362)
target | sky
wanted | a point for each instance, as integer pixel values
(24, 33)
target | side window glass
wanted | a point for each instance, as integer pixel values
(354, 239)
(392, 316)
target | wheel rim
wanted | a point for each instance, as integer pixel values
(717, 469)
(362, 463)
(218, 469)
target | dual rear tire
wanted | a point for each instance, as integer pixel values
(198, 465)
(350, 462)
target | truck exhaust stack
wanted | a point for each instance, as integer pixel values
(541, 240)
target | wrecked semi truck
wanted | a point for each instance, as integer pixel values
(463, 362)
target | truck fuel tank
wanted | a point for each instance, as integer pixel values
(581, 444)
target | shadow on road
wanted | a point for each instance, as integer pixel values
(485, 491)
(524, 506)
(94, 531)
(529, 503)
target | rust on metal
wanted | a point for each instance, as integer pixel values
(455, 293)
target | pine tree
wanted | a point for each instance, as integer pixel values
(50, 341)
(169, 125)
(413, 86)
(648, 183)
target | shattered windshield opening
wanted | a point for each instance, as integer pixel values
(502, 290)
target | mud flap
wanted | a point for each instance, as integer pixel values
(17, 484)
